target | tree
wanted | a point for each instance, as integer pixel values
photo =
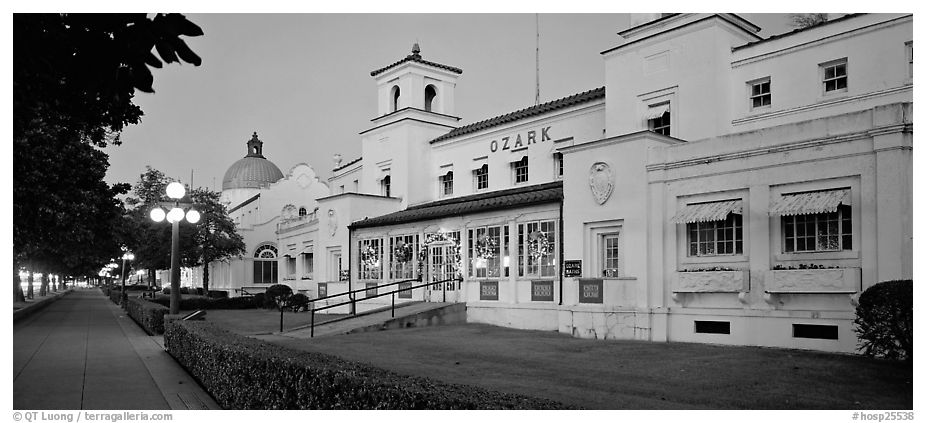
(74, 78)
(215, 235)
(213, 238)
(807, 20)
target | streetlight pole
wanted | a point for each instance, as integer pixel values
(124, 296)
(178, 209)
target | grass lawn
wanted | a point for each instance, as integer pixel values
(257, 321)
(597, 374)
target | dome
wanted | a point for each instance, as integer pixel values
(252, 171)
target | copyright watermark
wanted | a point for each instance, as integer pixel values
(77, 416)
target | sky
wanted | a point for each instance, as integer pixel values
(302, 82)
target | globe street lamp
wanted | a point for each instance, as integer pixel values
(125, 256)
(178, 209)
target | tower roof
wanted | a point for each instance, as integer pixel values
(253, 170)
(415, 56)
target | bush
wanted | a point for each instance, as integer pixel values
(217, 294)
(298, 302)
(149, 315)
(204, 303)
(884, 320)
(115, 294)
(246, 373)
(166, 291)
(276, 295)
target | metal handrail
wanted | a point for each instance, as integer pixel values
(353, 300)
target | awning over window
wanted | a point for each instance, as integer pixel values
(656, 111)
(810, 202)
(708, 212)
(383, 174)
(308, 250)
(479, 164)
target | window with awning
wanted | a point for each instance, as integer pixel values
(815, 202)
(708, 212)
(713, 228)
(656, 111)
(815, 221)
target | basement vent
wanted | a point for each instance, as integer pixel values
(712, 326)
(816, 331)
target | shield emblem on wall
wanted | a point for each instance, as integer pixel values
(600, 181)
(332, 222)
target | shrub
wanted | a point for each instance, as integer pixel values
(217, 294)
(277, 295)
(203, 303)
(298, 302)
(246, 373)
(884, 320)
(115, 294)
(149, 315)
(166, 291)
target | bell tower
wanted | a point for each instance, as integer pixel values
(417, 84)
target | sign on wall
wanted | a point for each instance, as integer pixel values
(488, 290)
(572, 268)
(542, 290)
(516, 141)
(591, 291)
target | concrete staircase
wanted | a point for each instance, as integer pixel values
(416, 314)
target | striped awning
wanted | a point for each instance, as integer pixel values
(708, 212)
(809, 202)
(656, 111)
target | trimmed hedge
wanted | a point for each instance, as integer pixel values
(115, 294)
(148, 315)
(884, 320)
(246, 373)
(205, 303)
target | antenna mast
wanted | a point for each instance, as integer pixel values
(537, 56)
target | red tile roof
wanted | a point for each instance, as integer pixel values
(590, 95)
(415, 57)
(505, 199)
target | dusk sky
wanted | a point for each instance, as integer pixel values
(302, 82)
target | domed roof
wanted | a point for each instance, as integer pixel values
(253, 170)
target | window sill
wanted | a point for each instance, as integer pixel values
(820, 255)
(760, 109)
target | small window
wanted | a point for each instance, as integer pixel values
(386, 186)
(481, 177)
(356, 185)
(446, 184)
(308, 266)
(761, 95)
(302, 211)
(815, 331)
(835, 76)
(429, 94)
(520, 170)
(609, 255)
(716, 238)
(712, 326)
(558, 165)
(659, 119)
(909, 48)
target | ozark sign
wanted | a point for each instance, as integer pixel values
(516, 141)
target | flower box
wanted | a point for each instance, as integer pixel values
(712, 281)
(811, 281)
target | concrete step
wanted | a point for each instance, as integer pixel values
(416, 314)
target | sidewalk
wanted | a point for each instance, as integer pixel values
(83, 352)
(22, 309)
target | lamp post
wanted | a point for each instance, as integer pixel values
(125, 256)
(178, 209)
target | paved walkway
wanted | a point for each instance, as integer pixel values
(84, 352)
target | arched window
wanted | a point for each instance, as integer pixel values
(395, 98)
(429, 93)
(265, 264)
(302, 211)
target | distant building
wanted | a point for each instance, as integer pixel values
(719, 188)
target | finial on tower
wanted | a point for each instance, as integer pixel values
(416, 51)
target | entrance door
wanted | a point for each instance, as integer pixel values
(441, 267)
